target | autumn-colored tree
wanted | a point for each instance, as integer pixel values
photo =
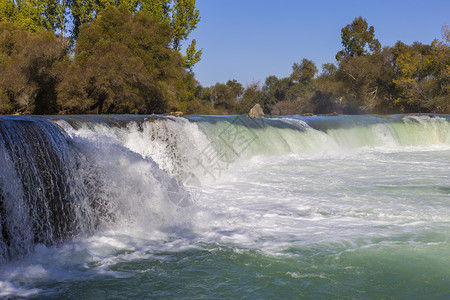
(56, 15)
(328, 91)
(276, 90)
(7, 10)
(277, 93)
(329, 70)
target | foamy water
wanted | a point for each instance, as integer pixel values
(335, 218)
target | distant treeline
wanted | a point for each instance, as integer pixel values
(124, 57)
(367, 79)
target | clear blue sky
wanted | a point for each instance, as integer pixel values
(248, 40)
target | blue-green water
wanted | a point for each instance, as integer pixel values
(304, 210)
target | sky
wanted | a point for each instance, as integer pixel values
(249, 40)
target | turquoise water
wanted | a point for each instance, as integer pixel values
(344, 212)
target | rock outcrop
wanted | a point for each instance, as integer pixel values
(175, 113)
(256, 112)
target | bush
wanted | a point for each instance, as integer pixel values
(27, 62)
(123, 64)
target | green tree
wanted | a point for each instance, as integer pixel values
(123, 64)
(53, 15)
(251, 95)
(197, 100)
(328, 70)
(236, 89)
(8, 10)
(290, 95)
(304, 72)
(27, 62)
(29, 14)
(276, 90)
(367, 82)
(358, 39)
(327, 91)
(224, 97)
(182, 16)
(184, 20)
(85, 11)
(192, 55)
(34, 15)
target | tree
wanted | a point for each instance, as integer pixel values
(123, 64)
(34, 15)
(327, 91)
(304, 72)
(288, 108)
(28, 14)
(224, 97)
(181, 15)
(251, 95)
(192, 55)
(358, 39)
(328, 70)
(446, 33)
(422, 77)
(184, 19)
(367, 81)
(7, 10)
(276, 90)
(27, 79)
(236, 89)
(85, 11)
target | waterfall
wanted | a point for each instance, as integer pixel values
(64, 177)
(42, 200)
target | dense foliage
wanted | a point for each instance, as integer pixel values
(27, 78)
(124, 57)
(127, 67)
(66, 17)
(123, 62)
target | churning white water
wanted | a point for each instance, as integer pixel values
(230, 207)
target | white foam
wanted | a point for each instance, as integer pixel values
(9, 290)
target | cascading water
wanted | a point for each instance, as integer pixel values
(239, 204)
(42, 199)
(55, 187)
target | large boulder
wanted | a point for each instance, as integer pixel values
(175, 113)
(256, 112)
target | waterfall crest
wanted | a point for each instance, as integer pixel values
(63, 177)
